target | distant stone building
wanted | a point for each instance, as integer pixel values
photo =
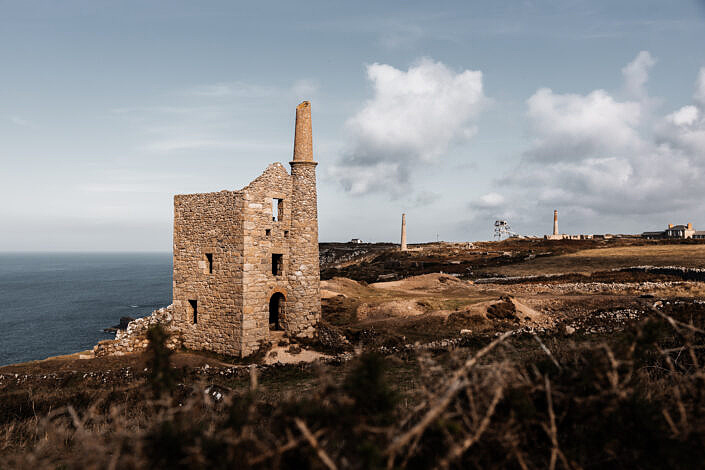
(676, 231)
(246, 262)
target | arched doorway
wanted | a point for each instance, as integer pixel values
(276, 311)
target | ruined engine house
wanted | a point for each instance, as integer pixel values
(246, 262)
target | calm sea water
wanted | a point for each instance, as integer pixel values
(59, 303)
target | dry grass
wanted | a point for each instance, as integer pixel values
(601, 259)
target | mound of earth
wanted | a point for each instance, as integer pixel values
(393, 308)
(506, 308)
(342, 286)
(428, 283)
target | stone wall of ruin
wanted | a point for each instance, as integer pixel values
(210, 223)
(263, 237)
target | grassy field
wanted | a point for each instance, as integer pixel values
(600, 259)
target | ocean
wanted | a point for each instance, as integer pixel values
(59, 303)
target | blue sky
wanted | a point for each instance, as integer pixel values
(457, 113)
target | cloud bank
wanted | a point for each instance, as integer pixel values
(410, 121)
(599, 156)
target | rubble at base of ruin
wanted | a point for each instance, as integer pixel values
(134, 337)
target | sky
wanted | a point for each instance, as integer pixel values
(456, 113)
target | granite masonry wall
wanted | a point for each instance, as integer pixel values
(208, 270)
(265, 235)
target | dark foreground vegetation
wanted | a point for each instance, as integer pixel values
(631, 400)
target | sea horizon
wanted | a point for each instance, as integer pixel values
(59, 302)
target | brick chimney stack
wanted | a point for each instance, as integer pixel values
(303, 136)
(303, 302)
(670, 225)
(403, 232)
(690, 226)
(555, 222)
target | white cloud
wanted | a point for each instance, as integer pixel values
(636, 73)
(489, 201)
(597, 156)
(411, 120)
(685, 116)
(570, 126)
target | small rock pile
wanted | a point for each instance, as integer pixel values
(604, 321)
(134, 337)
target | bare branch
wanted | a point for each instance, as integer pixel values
(457, 383)
(314, 444)
(459, 449)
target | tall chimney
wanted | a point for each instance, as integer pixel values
(403, 232)
(690, 226)
(555, 222)
(303, 136)
(303, 299)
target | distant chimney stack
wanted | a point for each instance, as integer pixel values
(670, 225)
(690, 226)
(403, 232)
(555, 222)
(303, 136)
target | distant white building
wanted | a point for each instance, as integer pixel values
(356, 241)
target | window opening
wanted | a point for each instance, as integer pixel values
(268, 232)
(286, 234)
(277, 209)
(208, 269)
(194, 310)
(277, 264)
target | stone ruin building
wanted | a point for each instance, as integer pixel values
(246, 262)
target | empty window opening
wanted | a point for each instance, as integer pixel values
(277, 264)
(277, 210)
(276, 311)
(286, 234)
(193, 304)
(208, 268)
(268, 232)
